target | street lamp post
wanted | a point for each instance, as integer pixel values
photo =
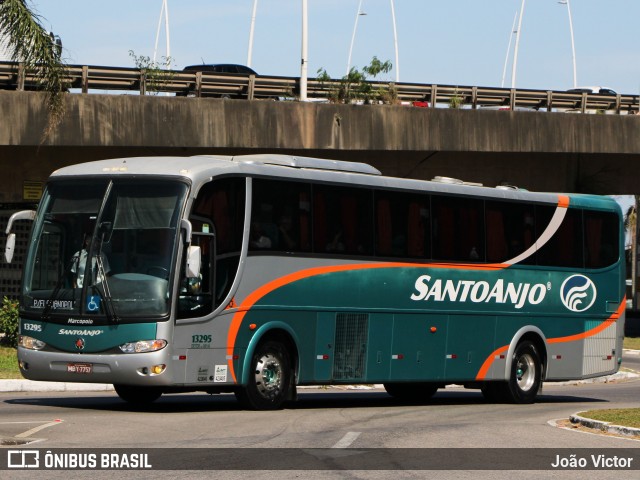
(305, 47)
(506, 60)
(359, 13)
(573, 45)
(515, 52)
(163, 11)
(251, 29)
(395, 40)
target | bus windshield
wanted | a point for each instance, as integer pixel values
(103, 248)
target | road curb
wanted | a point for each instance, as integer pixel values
(7, 386)
(22, 385)
(606, 427)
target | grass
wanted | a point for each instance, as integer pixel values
(629, 417)
(9, 363)
(632, 343)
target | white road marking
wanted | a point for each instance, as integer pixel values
(347, 440)
(28, 433)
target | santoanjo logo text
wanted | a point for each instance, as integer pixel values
(517, 294)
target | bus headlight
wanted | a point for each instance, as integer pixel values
(30, 343)
(143, 346)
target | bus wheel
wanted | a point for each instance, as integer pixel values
(138, 395)
(269, 380)
(526, 374)
(415, 392)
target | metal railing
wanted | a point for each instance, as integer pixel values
(86, 78)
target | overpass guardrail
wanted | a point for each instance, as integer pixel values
(87, 78)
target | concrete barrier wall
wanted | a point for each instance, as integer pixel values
(534, 150)
(146, 121)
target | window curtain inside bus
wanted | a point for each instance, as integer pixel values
(384, 233)
(469, 230)
(497, 250)
(444, 233)
(221, 220)
(593, 232)
(319, 222)
(144, 212)
(304, 221)
(416, 229)
(349, 209)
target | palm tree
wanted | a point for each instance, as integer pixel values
(29, 43)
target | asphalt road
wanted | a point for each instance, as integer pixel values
(454, 419)
(631, 361)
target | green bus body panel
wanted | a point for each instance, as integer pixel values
(422, 322)
(391, 289)
(96, 338)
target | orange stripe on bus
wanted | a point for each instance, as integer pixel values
(482, 373)
(594, 331)
(489, 361)
(563, 201)
(267, 288)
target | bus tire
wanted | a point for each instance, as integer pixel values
(414, 392)
(270, 378)
(526, 374)
(138, 395)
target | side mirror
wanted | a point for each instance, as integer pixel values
(194, 260)
(10, 247)
(11, 238)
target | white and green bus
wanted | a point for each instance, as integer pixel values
(255, 274)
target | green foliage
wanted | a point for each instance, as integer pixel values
(9, 363)
(9, 322)
(629, 417)
(376, 67)
(156, 73)
(355, 87)
(456, 100)
(30, 44)
(632, 343)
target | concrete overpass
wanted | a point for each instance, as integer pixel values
(534, 150)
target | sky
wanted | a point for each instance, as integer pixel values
(452, 42)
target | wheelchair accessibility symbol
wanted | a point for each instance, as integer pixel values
(93, 303)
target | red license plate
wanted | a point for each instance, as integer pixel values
(79, 368)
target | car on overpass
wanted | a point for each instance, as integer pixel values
(236, 87)
(221, 68)
(595, 90)
(604, 106)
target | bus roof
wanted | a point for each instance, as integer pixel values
(199, 169)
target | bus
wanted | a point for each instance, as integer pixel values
(257, 274)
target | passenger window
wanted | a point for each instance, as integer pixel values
(343, 220)
(601, 237)
(510, 230)
(402, 225)
(280, 216)
(564, 249)
(458, 229)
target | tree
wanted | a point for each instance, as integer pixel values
(156, 74)
(354, 86)
(30, 44)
